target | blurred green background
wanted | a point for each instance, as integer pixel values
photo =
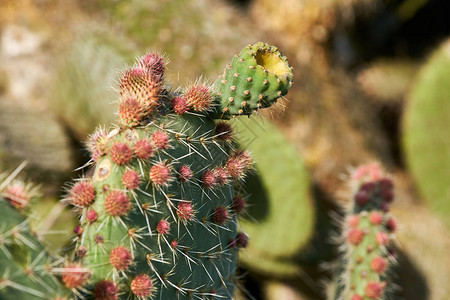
(372, 83)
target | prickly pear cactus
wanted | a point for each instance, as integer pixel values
(26, 270)
(368, 249)
(159, 216)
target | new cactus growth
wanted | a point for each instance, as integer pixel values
(158, 217)
(368, 250)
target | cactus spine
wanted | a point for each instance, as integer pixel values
(368, 248)
(159, 216)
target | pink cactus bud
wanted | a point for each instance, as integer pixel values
(354, 236)
(199, 97)
(160, 140)
(82, 193)
(159, 174)
(143, 149)
(381, 238)
(120, 153)
(224, 131)
(237, 164)
(368, 172)
(120, 258)
(174, 243)
(375, 218)
(353, 221)
(16, 196)
(91, 216)
(373, 290)
(378, 264)
(179, 105)
(220, 215)
(163, 227)
(105, 290)
(130, 179)
(74, 276)
(185, 211)
(356, 297)
(117, 203)
(141, 286)
(153, 63)
(238, 205)
(184, 173)
(209, 179)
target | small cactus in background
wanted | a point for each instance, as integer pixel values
(27, 271)
(159, 216)
(368, 251)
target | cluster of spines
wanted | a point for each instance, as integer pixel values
(368, 231)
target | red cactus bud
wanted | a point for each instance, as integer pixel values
(141, 286)
(143, 149)
(179, 105)
(153, 63)
(241, 240)
(159, 174)
(120, 153)
(381, 238)
(238, 204)
(16, 196)
(373, 290)
(356, 297)
(120, 258)
(354, 236)
(163, 227)
(82, 193)
(105, 290)
(91, 216)
(185, 211)
(174, 243)
(160, 140)
(361, 197)
(117, 203)
(131, 112)
(237, 164)
(220, 215)
(209, 179)
(199, 97)
(375, 218)
(391, 224)
(184, 173)
(74, 276)
(224, 131)
(130, 179)
(78, 230)
(353, 221)
(378, 264)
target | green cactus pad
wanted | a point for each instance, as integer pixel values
(425, 128)
(25, 267)
(256, 78)
(281, 214)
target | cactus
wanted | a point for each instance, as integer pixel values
(158, 217)
(368, 251)
(26, 269)
(425, 132)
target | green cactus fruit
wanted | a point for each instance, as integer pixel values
(281, 178)
(368, 229)
(26, 269)
(256, 78)
(159, 216)
(427, 117)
